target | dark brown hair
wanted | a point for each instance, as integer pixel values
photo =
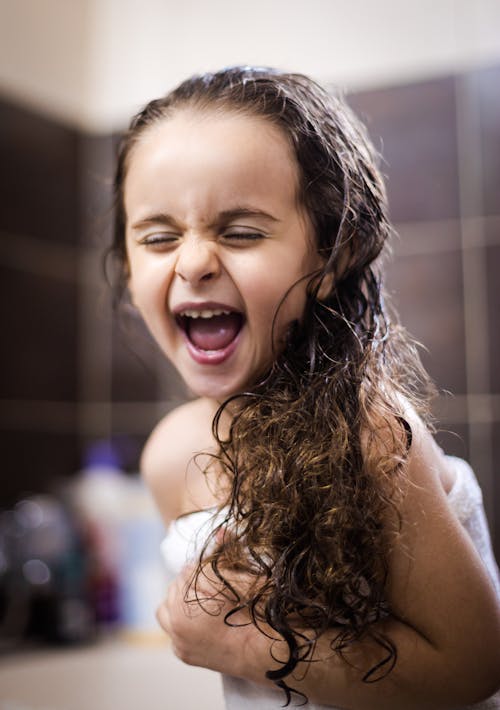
(315, 454)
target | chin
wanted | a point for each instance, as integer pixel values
(216, 390)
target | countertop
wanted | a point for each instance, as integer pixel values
(115, 674)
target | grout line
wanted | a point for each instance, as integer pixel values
(19, 414)
(38, 415)
(457, 408)
(36, 256)
(33, 255)
(411, 241)
(475, 297)
(94, 359)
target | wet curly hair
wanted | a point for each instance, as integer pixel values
(314, 458)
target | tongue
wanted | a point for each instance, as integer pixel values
(214, 333)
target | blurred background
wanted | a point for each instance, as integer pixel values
(81, 388)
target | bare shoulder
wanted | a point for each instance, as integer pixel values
(168, 454)
(437, 584)
(426, 462)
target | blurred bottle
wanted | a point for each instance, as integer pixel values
(42, 574)
(123, 532)
(97, 497)
(142, 579)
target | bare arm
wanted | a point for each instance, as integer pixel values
(445, 623)
(169, 465)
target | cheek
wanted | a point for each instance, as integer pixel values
(294, 294)
(147, 285)
(150, 303)
(273, 315)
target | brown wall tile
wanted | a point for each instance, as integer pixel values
(493, 275)
(38, 176)
(39, 331)
(32, 461)
(453, 438)
(496, 488)
(427, 291)
(38, 297)
(96, 171)
(487, 83)
(414, 127)
(134, 361)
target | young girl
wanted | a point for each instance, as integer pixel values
(328, 551)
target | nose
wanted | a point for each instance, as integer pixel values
(197, 261)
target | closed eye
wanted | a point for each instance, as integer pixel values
(159, 240)
(243, 236)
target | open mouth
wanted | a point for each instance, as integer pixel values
(210, 330)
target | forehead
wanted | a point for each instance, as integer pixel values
(218, 149)
(181, 123)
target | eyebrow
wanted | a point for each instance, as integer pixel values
(159, 218)
(222, 217)
(228, 215)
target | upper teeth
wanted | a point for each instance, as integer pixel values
(205, 313)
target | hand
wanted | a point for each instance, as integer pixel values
(199, 635)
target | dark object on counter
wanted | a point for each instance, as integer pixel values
(43, 575)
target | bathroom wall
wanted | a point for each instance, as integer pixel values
(39, 238)
(424, 76)
(441, 143)
(72, 372)
(93, 62)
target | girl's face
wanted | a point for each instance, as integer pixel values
(215, 239)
